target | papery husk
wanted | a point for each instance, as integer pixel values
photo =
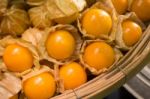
(69, 28)
(35, 72)
(119, 33)
(3, 6)
(17, 4)
(39, 17)
(94, 71)
(10, 40)
(33, 35)
(107, 6)
(35, 2)
(10, 85)
(15, 21)
(80, 4)
(2, 69)
(64, 8)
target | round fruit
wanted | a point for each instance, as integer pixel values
(142, 9)
(14, 97)
(73, 75)
(120, 5)
(99, 55)
(96, 22)
(60, 44)
(41, 86)
(131, 32)
(17, 58)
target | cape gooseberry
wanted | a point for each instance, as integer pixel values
(60, 44)
(17, 58)
(121, 6)
(132, 32)
(96, 22)
(73, 75)
(41, 86)
(99, 55)
(141, 8)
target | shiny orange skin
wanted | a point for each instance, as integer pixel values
(41, 86)
(142, 9)
(99, 55)
(121, 6)
(73, 75)
(17, 58)
(96, 22)
(60, 44)
(132, 32)
(14, 97)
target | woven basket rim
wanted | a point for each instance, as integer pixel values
(107, 82)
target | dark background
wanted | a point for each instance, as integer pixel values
(121, 93)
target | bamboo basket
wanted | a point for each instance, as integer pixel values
(127, 67)
(124, 70)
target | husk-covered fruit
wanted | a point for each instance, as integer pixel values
(99, 56)
(33, 35)
(60, 50)
(45, 85)
(15, 21)
(65, 9)
(99, 21)
(18, 55)
(129, 31)
(141, 8)
(40, 17)
(69, 74)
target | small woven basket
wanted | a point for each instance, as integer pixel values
(125, 69)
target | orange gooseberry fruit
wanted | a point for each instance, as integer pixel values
(73, 75)
(99, 55)
(121, 6)
(60, 44)
(131, 32)
(96, 22)
(142, 9)
(41, 86)
(17, 58)
(14, 97)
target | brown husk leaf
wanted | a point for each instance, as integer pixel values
(119, 33)
(33, 35)
(9, 85)
(40, 18)
(118, 55)
(61, 8)
(107, 6)
(69, 28)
